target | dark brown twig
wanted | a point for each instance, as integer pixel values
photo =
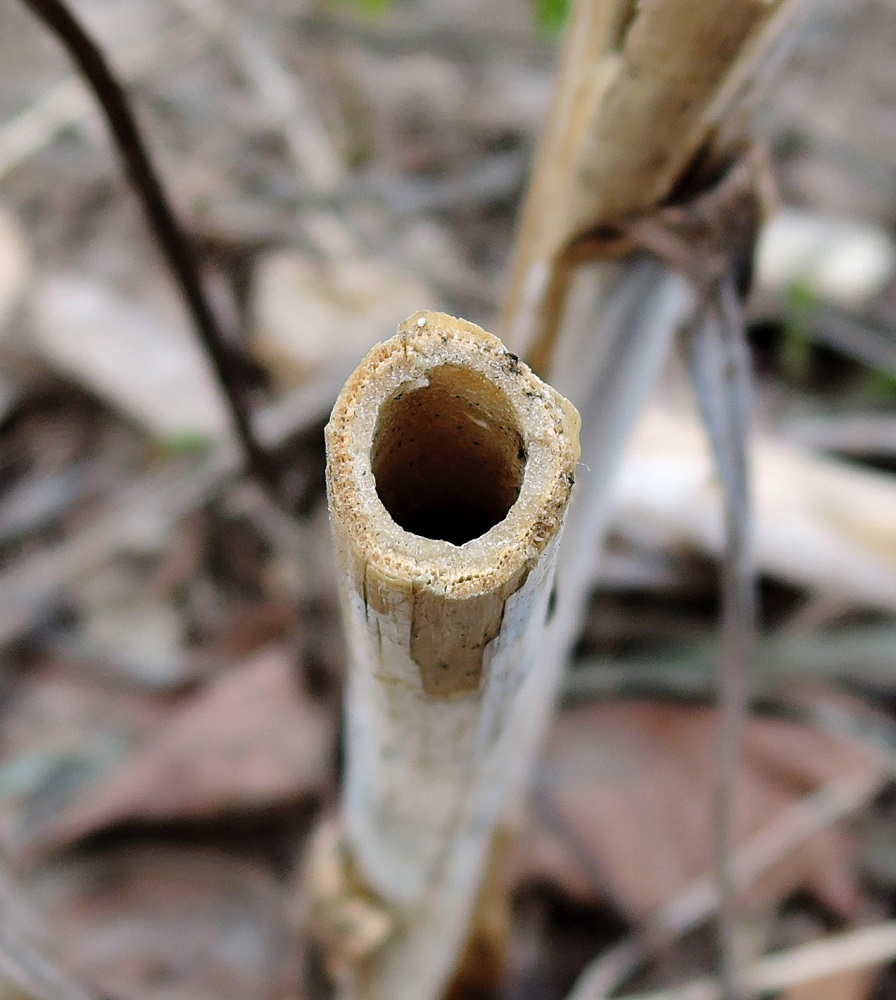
(169, 234)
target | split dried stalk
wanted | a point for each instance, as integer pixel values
(639, 91)
(449, 470)
(643, 92)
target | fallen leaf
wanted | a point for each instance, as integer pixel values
(854, 984)
(311, 309)
(59, 734)
(623, 804)
(820, 523)
(15, 264)
(832, 258)
(138, 354)
(251, 738)
(141, 642)
(170, 924)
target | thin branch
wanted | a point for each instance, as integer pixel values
(169, 234)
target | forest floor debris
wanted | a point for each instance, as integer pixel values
(172, 662)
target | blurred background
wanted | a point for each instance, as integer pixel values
(171, 653)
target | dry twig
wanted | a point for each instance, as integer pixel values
(168, 232)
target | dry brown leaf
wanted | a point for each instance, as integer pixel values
(52, 706)
(250, 739)
(623, 805)
(855, 984)
(170, 924)
(15, 263)
(59, 734)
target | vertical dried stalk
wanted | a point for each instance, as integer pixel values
(449, 470)
(642, 89)
(639, 90)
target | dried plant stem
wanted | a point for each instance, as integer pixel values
(639, 90)
(721, 372)
(169, 234)
(859, 949)
(449, 469)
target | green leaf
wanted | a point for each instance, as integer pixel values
(880, 385)
(795, 350)
(373, 8)
(550, 15)
(184, 443)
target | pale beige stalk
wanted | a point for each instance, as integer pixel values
(449, 470)
(643, 94)
(640, 89)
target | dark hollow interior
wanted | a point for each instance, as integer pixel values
(448, 459)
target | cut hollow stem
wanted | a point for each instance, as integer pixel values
(449, 470)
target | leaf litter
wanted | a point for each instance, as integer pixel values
(249, 739)
(180, 672)
(616, 767)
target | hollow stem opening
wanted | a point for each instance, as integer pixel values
(448, 458)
